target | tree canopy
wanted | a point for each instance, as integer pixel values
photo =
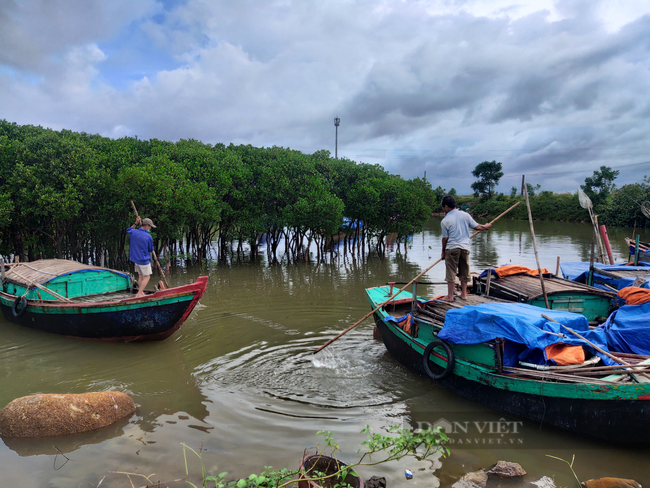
(488, 173)
(66, 194)
(599, 185)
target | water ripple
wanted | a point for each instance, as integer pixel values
(354, 373)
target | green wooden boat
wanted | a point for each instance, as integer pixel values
(563, 295)
(598, 404)
(74, 299)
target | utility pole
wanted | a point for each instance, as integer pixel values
(523, 179)
(337, 121)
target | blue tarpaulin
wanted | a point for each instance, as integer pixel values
(522, 326)
(579, 271)
(627, 329)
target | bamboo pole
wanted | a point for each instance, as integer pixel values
(155, 258)
(597, 348)
(590, 276)
(532, 233)
(400, 290)
(557, 268)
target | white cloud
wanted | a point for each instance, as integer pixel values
(437, 86)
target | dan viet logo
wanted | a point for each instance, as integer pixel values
(478, 432)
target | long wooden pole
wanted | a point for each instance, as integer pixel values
(400, 290)
(599, 349)
(590, 276)
(532, 233)
(155, 258)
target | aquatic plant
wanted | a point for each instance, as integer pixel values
(570, 464)
(421, 445)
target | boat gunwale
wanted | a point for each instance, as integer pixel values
(610, 392)
(170, 293)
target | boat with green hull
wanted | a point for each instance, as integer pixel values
(89, 302)
(606, 403)
(563, 295)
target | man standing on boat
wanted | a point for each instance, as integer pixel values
(140, 251)
(455, 245)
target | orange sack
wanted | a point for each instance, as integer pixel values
(563, 354)
(513, 269)
(633, 295)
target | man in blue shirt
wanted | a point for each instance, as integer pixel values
(455, 245)
(140, 251)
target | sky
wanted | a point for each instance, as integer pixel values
(551, 89)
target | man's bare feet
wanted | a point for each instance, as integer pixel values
(447, 298)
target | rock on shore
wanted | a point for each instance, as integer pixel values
(52, 414)
(610, 483)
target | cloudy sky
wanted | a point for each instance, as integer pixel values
(551, 89)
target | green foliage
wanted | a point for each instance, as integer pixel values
(402, 443)
(67, 194)
(623, 205)
(600, 184)
(488, 173)
(563, 207)
(439, 192)
(532, 190)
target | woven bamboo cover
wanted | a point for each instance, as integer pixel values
(39, 272)
(531, 287)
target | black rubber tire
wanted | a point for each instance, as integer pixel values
(451, 360)
(14, 308)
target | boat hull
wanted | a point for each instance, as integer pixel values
(619, 413)
(152, 318)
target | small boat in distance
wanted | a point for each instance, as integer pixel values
(644, 250)
(89, 302)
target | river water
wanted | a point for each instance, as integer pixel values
(239, 379)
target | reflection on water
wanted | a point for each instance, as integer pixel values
(240, 379)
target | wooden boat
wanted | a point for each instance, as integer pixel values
(635, 277)
(644, 250)
(313, 464)
(563, 295)
(74, 299)
(606, 404)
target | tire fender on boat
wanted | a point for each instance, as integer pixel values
(451, 360)
(14, 308)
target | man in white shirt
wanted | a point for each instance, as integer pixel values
(455, 245)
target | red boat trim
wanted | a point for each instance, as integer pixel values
(198, 287)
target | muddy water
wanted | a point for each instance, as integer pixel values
(239, 379)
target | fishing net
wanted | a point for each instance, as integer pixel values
(585, 201)
(645, 208)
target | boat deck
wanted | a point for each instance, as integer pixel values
(107, 297)
(529, 287)
(431, 316)
(101, 297)
(437, 309)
